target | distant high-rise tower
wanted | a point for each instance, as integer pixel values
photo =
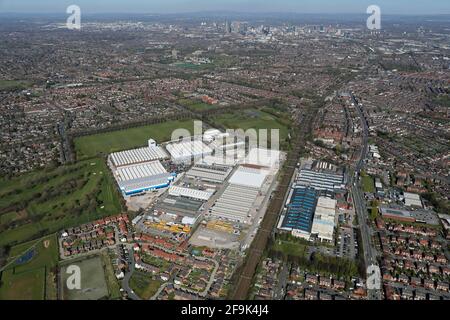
(227, 27)
(235, 27)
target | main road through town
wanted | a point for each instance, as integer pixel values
(360, 204)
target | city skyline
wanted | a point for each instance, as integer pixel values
(403, 7)
(224, 150)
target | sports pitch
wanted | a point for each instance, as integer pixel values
(105, 143)
(93, 283)
(254, 119)
(196, 105)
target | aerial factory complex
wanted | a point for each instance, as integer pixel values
(322, 162)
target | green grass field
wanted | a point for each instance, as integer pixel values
(196, 105)
(157, 262)
(193, 66)
(368, 183)
(290, 248)
(9, 85)
(143, 285)
(31, 280)
(374, 213)
(254, 119)
(47, 201)
(90, 146)
(93, 282)
(29, 285)
(110, 277)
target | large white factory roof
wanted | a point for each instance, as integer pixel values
(140, 155)
(412, 200)
(264, 157)
(224, 160)
(188, 149)
(223, 145)
(190, 193)
(326, 204)
(188, 220)
(249, 177)
(212, 134)
(324, 218)
(140, 171)
(235, 203)
(146, 183)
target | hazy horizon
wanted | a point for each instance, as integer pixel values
(399, 7)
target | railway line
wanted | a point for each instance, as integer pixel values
(244, 279)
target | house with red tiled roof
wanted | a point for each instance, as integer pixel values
(428, 284)
(441, 259)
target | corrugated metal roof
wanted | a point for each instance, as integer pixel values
(300, 210)
(249, 177)
(235, 203)
(324, 218)
(190, 193)
(188, 149)
(134, 156)
(140, 171)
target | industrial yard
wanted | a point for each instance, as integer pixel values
(197, 193)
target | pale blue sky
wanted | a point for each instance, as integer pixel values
(179, 6)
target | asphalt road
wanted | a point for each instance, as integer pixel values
(126, 279)
(282, 282)
(360, 204)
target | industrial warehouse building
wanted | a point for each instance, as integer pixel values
(299, 214)
(417, 215)
(308, 214)
(310, 211)
(264, 157)
(190, 193)
(186, 151)
(179, 207)
(136, 156)
(235, 203)
(140, 170)
(228, 159)
(322, 181)
(239, 196)
(324, 219)
(211, 135)
(248, 176)
(210, 173)
(412, 200)
(397, 214)
(134, 179)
